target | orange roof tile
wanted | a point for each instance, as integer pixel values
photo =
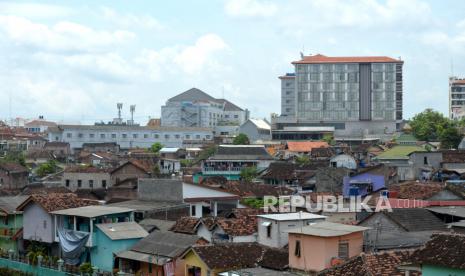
(306, 146)
(316, 59)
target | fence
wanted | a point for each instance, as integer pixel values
(43, 270)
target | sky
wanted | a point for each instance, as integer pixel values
(72, 61)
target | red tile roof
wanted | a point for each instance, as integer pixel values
(186, 225)
(416, 190)
(57, 201)
(316, 59)
(306, 146)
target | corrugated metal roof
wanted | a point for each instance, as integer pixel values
(328, 229)
(262, 124)
(292, 216)
(122, 230)
(142, 257)
(167, 244)
(92, 211)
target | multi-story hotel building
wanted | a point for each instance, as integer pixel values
(456, 98)
(349, 96)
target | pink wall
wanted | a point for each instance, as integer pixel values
(316, 252)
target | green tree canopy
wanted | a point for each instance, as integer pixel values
(155, 148)
(429, 124)
(241, 139)
(47, 168)
(450, 138)
(302, 160)
(248, 174)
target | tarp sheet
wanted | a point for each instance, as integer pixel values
(72, 245)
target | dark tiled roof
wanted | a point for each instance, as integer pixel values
(85, 169)
(57, 201)
(186, 225)
(247, 189)
(241, 152)
(384, 263)
(229, 106)
(42, 189)
(165, 243)
(242, 255)
(243, 226)
(322, 152)
(10, 203)
(56, 144)
(416, 219)
(415, 190)
(144, 165)
(193, 94)
(12, 167)
(280, 171)
(447, 250)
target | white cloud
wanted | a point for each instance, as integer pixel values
(250, 8)
(63, 36)
(33, 10)
(128, 20)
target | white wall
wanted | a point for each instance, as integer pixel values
(37, 224)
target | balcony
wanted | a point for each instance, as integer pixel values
(220, 171)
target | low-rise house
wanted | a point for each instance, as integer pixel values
(200, 196)
(109, 229)
(151, 225)
(444, 254)
(172, 153)
(98, 159)
(295, 148)
(454, 160)
(398, 157)
(256, 130)
(13, 175)
(206, 260)
(369, 264)
(321, 245)
(11, 223)
(158, 254)
(39, 125)
(230, 160)
(38, 221)
(132, 169)
(273, 228)
(59, 149)
(401, 228)
(86, 177)
(424, 163)
(287, 174)
(367, 181)
(169, 166)
(343, 161)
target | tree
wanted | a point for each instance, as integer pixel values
(249, 173)
(155, 148)
(15, 157)
(428, 125)
(302, 160)
(47, 168)
(450, 138)
(203, 155)
(241, 139)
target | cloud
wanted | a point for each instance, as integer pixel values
(250, 8)
(33, 10)
(128, 20)
(63, 36)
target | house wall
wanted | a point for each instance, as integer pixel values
(156, 270)
(85, 177)
(344, 161)
(203, 232)
(37, 224)
(9, 227)
(101, 255)
(13, 181)
(279, 234)
(317, 252)
(254, 133)
(127, 171)
(385, 225)
(417, 159)
(191, 259)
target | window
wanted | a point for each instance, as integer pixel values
(91, 135)
(188, 136)
(102, 135)
(124, 135)
(192, 210)
(177, 136)
(91, 183)
(236, 116)
(425, 160)
(79, 183)
(197, 136)
(69, 135)
(80, 135)
(146, 136)
(343, 251)
(67, 182)
(45, 224)
(167, 136)
(297, 248)
(104, 183)
(268, 231)
(134, 135)
(226, 116)
(113, 135)
(156, 136)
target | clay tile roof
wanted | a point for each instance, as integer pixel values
(415, 190)
(453, 156)
(305, 146)
(85, 169)
(245, 189)
(317, 59)
(275, 258)
(384, 263)
(416, 219)
(13, 167)
(445, 249)
(186, 225)
(230, 255)
(244, 226)
(57, 201)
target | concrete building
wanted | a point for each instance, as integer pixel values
(273, 228)
(129, 136)
(84, 177)
(256, 130)
(456, 98)
(195, 108)
(355, 96)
